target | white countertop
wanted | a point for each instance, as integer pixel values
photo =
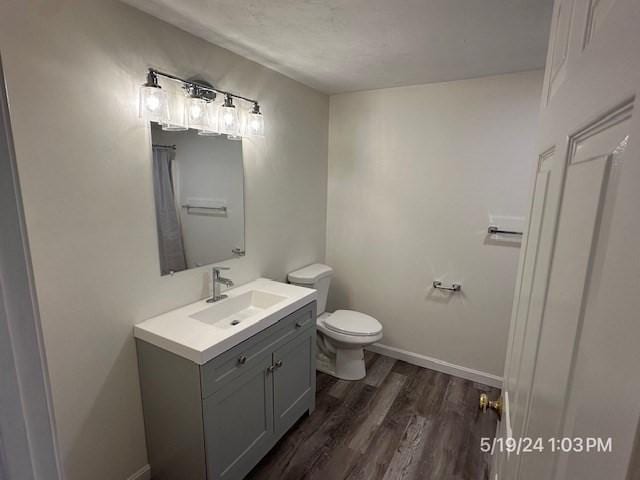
(179, 332)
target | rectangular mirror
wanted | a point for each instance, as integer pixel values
(198, 182)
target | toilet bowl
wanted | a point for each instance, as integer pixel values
(343, 334)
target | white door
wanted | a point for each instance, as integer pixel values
(27, 440)
(571, 377)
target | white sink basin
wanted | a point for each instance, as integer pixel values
(202, 331)
(233, 311)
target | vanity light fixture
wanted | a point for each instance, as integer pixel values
(154, 104)
(197, 110)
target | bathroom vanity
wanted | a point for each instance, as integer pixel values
(221, 383)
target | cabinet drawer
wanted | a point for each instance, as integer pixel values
(235, 361)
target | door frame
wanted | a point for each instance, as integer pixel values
(28, 446)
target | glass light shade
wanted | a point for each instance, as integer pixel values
(242, 125)
(177, 120)
(255, 125)
(154, 104)
(228, 121)
(196, 113)
(212, 121)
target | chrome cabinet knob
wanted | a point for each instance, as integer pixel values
(275, 366)
(242, 359)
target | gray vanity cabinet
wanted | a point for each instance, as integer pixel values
(217, 421)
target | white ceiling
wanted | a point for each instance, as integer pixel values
(346, 45)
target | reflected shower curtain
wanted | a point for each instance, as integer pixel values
(172, 256)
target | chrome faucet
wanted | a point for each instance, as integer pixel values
(216, 280)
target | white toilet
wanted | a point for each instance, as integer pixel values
(342, 334)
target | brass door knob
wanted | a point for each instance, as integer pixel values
(495, 405)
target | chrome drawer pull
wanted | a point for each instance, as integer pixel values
(242, 360)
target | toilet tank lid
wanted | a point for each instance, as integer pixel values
(310, 274)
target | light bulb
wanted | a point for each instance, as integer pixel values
(196, 111)
(153, 103)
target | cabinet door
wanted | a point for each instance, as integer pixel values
(294, 380)
(239, 423)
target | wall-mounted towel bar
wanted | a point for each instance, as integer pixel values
(215, 209)
(455, 287)
(495, 229)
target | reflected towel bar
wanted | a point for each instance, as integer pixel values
(494, 229)
(217, 209)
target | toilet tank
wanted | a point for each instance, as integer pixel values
(316, 276)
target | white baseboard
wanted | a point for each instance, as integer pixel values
(143, 474)
(438, 365)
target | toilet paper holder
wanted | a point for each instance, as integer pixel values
(455, 287)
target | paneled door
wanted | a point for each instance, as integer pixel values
(238, 422)
(572, 388)
(294, 380)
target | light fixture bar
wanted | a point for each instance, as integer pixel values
(200, 86)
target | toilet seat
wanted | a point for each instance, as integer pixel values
(349, 322)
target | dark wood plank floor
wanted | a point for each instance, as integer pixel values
(400, 422)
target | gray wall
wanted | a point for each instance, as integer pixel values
(414, 174)
(73, 70)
